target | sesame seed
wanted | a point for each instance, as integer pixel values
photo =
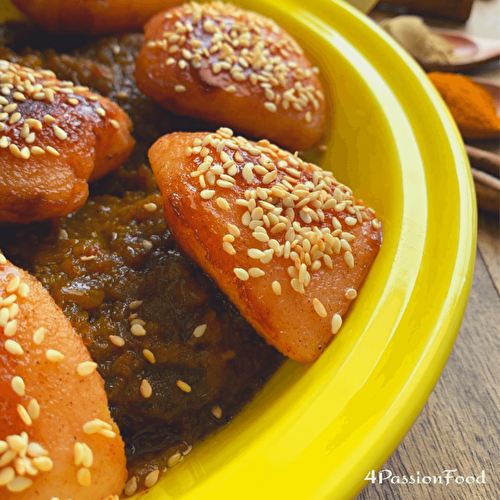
(86, 368)
(18, 385)
(6, 476)
(19, 484)
(60, 133)
(25, 153)
(53, 151)
(79, 453)
(336, 323)
(174, 459)
(241, 274)
(149, 356)
(116, 340)
(101, 112)
(351, 294)
(7, 457)
(115, 124)
(135, 304)
(21, 410)
(319, 308)
(180, 88)
(207, 194)
(9, 300)
(84, 477)
(73, 101)
(217, 411)
(37, 151)
(44, 464)
(11, 327)
(152, 478)
(222, 203)
(36, 450)
(254, 253)
(227, 247)
(13, 347)
(351, 221)
(256, 272)
(138, 330)
(34, 409)
(14, 149)
(146, 389)
(3, 260)
(150, 207)
(95, 426)
(271, 107)
(16, 442)
(48, 119)
(349, 259)
(199, 331)
(233, 230)
(375, 224)
(130, 487)
(13, 284)
(54, 356)
(14, 118)
(276, 287)
(108, 434)
(183, 386)
(39, 335)
(4, 316)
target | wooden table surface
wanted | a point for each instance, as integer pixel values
(459, 426)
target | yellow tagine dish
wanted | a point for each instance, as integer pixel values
(315, 430)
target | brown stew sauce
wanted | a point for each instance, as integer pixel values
(114, 263)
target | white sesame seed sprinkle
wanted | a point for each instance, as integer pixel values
(10, 328)
(336, 323)
(276, 287)
(33, 409)
(138, 330)
(54, 356)
(13, 284)
(199, 331)
(319, 308)
(84, 477)
(116, 340)
(21, 410)
(130, 486)
(39, 335)
(183, 386)
(152, 478)
(60, 133)
(149, 356)
(207, 194)
(86, 368)
(13, 347)
(150, 207)
(18, 385)
(217, 411)
(174, 459)
(146, 389)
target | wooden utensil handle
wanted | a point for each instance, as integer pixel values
(450, 9)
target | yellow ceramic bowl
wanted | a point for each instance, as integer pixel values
(316, 430)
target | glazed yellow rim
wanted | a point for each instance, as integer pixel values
(316, 430)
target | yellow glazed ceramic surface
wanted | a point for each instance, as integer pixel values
(316, 430)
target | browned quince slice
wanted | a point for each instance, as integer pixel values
(287, 243)
(54, 137)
